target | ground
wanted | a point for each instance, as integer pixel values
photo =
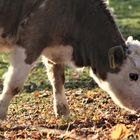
(94, 116)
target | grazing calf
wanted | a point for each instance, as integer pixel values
(81, 32)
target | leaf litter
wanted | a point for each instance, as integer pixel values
(93, 116)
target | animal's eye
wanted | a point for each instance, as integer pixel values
(133, 76)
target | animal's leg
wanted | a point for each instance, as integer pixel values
(56, 76)
(14, 79)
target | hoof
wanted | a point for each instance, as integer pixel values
(61, 110)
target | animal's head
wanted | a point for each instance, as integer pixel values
(124, 86)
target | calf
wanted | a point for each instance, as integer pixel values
(81, 32)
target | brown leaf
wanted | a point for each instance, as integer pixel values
(35, 135)
(36, 94)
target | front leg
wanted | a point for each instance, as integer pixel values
(14, 79)
(56, 76)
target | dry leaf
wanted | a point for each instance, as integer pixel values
(35, 135)
(8, 126)
(36, 94)
(119, 132)
(21, 121)
(94, 118)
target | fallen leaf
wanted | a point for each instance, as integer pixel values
(36, 94)
(119, 132)
(8, 126)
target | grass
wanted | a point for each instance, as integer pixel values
(128, 16)
(93, 113)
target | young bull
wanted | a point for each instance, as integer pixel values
(82, 32)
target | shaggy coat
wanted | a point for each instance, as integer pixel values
(81, 32)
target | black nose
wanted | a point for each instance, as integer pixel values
(133, 76)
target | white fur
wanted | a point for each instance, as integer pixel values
(125, 92)
(107, 2)
(14, 78)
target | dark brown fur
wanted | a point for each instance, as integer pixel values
(86, 25)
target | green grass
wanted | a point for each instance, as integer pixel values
(128, 16)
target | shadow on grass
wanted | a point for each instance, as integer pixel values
(87, 83)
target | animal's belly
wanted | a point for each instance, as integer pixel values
(59, 54)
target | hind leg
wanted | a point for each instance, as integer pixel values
(56, 76)
(14, 79)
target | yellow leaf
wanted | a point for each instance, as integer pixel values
(8, 126)
(49, 136)
(119, 132)
(95, 118)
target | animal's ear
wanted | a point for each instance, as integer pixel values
(116, 56)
